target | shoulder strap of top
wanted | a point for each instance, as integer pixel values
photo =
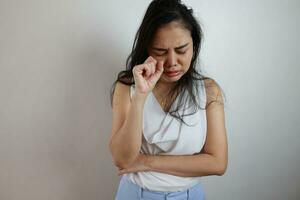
(132, 87)
(202, 94)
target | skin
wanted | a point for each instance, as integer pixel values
(173, 45)
(171, 49)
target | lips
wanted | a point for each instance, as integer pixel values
(172, 73)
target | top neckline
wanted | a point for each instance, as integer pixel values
(160, 107)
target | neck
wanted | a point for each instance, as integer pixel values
(164, 88)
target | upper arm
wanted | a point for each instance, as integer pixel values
(120, 106)
(216, 139)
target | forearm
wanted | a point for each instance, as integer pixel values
(186, 165)
(126, 143)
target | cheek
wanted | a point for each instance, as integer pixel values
(159, 58)
(186, 62)
(187, 59)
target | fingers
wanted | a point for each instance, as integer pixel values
(151, 67)
(147, 68)
(150, 59)
(121, 172)
(159, 69)
(160, 66)
(150, 64)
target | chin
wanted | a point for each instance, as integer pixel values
(171, 79)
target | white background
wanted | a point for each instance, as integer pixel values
(58, 60)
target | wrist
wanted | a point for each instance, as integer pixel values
(147, 160)
(139, 97)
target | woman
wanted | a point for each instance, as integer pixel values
(168, 126)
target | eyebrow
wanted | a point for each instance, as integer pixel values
(176, 48)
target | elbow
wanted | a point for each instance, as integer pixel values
(221, 168)
(221, 172)
(122, 159)
(123, 162)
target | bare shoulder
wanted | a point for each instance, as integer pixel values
(121, 94)
(120, 105)
(216, 139)
(213, 93)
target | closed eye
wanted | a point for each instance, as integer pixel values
(161, 53)
(181, 52)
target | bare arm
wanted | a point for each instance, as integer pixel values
(126, 136)
(213, 158)
(186, 166)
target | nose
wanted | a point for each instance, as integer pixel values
(171, 59)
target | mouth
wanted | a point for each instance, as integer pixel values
(172, 73)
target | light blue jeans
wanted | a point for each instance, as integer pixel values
(128, 190)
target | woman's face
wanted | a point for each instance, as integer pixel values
(173, 45)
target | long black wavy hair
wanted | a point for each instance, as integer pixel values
(158, 14)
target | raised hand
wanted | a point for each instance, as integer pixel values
(147, 74)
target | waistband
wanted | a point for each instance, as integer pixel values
(145, 193)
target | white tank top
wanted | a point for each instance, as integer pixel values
(165, 135)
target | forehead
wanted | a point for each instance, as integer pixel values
(171, 35)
